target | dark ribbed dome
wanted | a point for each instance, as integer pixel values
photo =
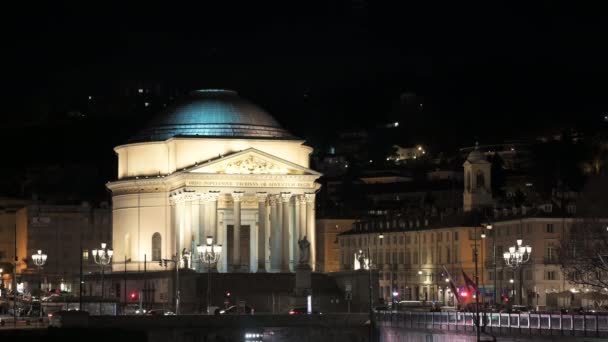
(212, 113)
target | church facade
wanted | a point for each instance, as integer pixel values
(213, 165)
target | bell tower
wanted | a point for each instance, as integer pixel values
(477, 181)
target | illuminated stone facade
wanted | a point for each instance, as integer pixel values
(251, 190)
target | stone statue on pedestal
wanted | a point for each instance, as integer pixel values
(304, 251)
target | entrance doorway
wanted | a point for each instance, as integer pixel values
(243, 248)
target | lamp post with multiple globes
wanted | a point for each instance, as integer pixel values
(102, 257)
(515, 258)
(209, 254)
(361, 256)
(39, 260)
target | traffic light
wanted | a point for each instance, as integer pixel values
(134, 296)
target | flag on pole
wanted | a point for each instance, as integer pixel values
(469, 282)
(451, 283)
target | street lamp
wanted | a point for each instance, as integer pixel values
(515, 258)
(102, 257)
(210, 254)
(489, 227)
(512, 288)
(175, 260)
(39, 260)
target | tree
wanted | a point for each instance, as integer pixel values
(583, 251)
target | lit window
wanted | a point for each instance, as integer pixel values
(140, 90)
(146, 104)
(85, 254)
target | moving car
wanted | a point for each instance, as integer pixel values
(236, 310)
(302, 311)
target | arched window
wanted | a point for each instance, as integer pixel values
(480, 179)
(156, 247)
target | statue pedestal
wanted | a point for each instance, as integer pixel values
(303, 286)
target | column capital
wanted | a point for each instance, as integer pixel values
(212, 195)
(285, 196)
(237, 196)
(310, 197)
(262, 196)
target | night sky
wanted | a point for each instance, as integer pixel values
(483, 70)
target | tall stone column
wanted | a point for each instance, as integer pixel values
(222, 240)
(202, 219)
(236, 241)
(171, 237)
(310, 228)
(181, 216)
(261, 196)
(268, 229)
(294, 210)
(275, 235)
(302, 217)
(212, 197)
(285, 197)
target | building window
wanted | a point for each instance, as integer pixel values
(455, 236)
(551, 252)
(550, 228)
(156, 247)
(401, 240)
(85, 254)
(550, 275)
(528, 275)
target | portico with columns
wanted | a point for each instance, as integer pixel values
(255, 195)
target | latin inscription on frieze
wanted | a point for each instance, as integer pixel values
(251, 184)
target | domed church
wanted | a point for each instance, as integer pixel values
(213, 164)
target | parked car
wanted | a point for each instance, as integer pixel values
(519, 309)
(155, 312)
(382, 308)
(236, 310)
(302, 311)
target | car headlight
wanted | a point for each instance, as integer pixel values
(222, 311)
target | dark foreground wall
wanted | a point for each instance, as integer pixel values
(186, 328)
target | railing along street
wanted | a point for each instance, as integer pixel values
(498, 323)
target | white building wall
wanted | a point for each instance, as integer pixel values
(135, 226)
(153, 158)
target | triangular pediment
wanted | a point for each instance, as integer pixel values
(251, 161)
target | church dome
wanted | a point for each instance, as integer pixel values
(212, 113)
(476, 156)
